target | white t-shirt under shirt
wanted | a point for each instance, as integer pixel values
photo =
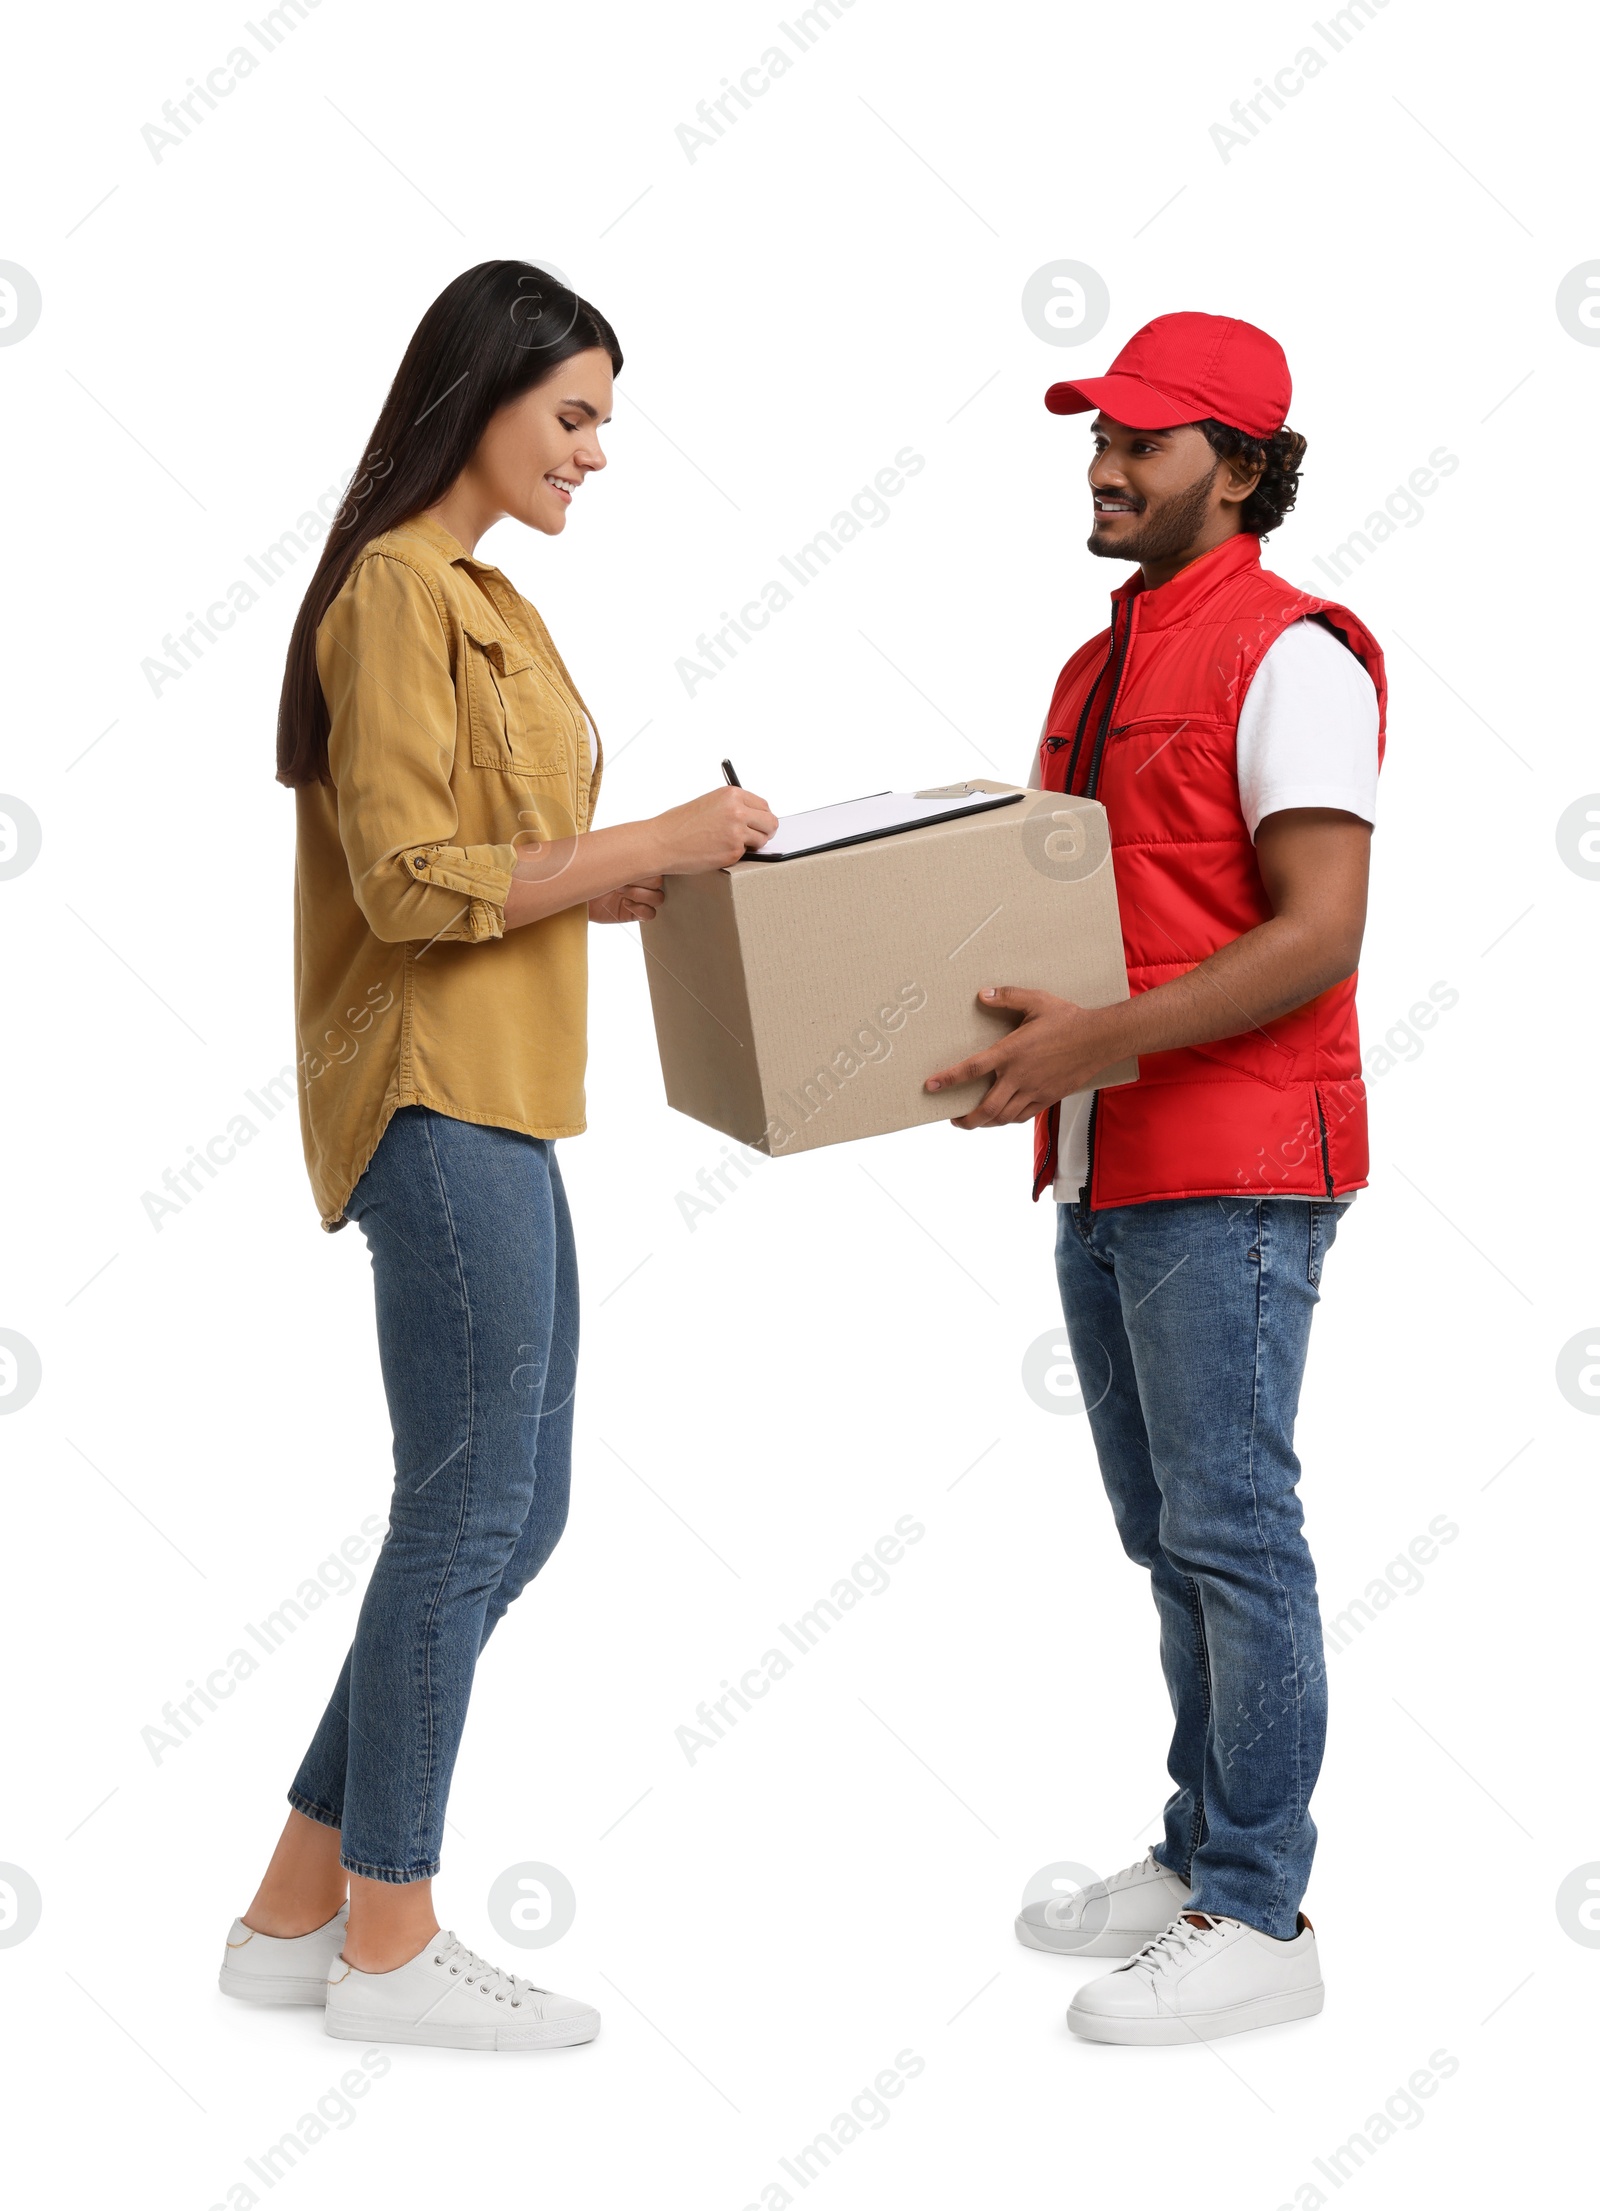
(1308, 736)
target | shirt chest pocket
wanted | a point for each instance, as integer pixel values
(519, 721)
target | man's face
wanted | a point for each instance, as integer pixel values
(1157, 493)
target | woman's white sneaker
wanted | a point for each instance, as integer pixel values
(450, 1998)
(1203, 1978)
(1107, 1919)
(281, 1969)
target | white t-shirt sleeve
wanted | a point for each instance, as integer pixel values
(1308, 729)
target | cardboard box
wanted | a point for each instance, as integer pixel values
(805, 1002)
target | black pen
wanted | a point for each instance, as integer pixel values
(728, 775)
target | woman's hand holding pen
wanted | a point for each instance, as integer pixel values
(616, 874)
(711, 832)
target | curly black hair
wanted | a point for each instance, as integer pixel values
(1278, 457)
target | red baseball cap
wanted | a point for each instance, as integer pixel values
(1188, 368)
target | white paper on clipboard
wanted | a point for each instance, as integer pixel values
(884, 814)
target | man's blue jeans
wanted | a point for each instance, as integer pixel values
(1189, 1321)
(477, 1295)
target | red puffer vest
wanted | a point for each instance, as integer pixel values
(1145, 718)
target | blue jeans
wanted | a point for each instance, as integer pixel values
(1188, 1321)
(477, 1296)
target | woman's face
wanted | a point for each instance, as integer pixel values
(537, 450)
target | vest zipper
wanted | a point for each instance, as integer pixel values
(1114, 663)
(1088, 1173)
(1088, 706)
(1125, 609)
(1322, 1130)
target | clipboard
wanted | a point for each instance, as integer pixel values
(882, 814)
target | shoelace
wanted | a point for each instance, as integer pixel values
(1172, 1947)
(492, 1979)
(1130, 1873)
(1093, 1891)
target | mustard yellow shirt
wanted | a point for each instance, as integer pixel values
(457, 734)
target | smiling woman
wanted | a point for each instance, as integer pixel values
(451, 424)
(445, 770)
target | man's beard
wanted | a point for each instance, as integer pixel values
(1171, 529)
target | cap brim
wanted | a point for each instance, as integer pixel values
(1126, 399)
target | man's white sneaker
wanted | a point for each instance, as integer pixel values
(450, 1998)
(281, 1969)
(1203, 1978)
(1107, 1919)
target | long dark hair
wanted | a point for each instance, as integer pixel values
(491, 335)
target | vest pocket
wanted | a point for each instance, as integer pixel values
(1145, 737)
(519, 721)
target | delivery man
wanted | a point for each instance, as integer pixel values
(1232, 728)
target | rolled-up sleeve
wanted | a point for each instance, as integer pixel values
(384, 660)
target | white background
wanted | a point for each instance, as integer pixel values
(841, 1343)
